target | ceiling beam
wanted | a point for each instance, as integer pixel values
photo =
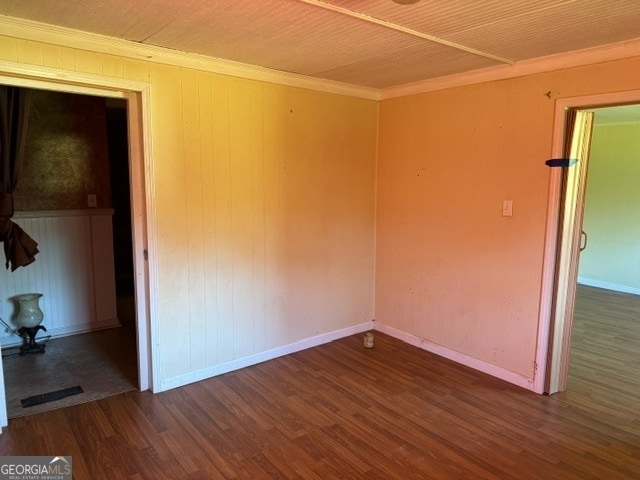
(408, 31)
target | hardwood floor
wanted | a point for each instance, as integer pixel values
(343, 411)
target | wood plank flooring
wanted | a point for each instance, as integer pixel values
(391, 412)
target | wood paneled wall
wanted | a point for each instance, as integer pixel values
(268, 225)
(264, 209)
(74, 271)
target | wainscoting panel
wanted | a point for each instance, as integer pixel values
(74, 271)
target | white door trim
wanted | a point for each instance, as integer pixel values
(138, 97)
(553, 205)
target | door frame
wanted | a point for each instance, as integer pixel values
(138, 98)
(544, 366)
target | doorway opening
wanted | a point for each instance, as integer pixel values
(557, 315)
(74, 144)
(135, 96)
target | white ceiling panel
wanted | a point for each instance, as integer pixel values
(301, 38)
(126, 19)
(556, 30)
(443, 17)
(409, 65)
(369, 43)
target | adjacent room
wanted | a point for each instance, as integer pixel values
(74, 144)
(608, 296)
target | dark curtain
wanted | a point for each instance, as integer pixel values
(19, 248)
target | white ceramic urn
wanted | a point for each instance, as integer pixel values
(29, 313)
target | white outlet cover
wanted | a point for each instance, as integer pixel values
(507, 208)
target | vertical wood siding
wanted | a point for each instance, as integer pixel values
(74, 271)
(264, 200)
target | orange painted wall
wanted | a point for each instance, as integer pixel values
(450, 268)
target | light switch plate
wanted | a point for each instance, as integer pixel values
(507, 208)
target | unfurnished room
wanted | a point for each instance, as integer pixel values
(312, 239)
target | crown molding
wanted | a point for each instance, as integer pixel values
(576, 58)
(66, 37)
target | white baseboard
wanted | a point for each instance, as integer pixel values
(208, 372)
(225, 367)
(608, 286)
(458, 357)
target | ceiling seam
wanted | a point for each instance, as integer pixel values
(408, 31)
